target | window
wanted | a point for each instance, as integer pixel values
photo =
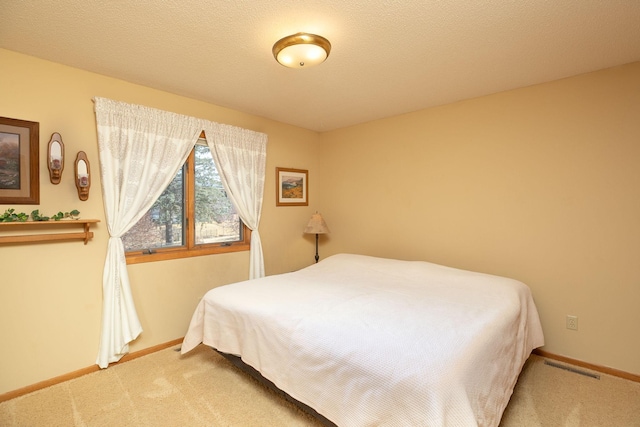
(192, 217)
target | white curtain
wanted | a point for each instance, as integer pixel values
(240, 156)
(141, 150)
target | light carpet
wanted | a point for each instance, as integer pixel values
(204, 389)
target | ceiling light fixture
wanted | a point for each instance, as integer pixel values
(301, 50)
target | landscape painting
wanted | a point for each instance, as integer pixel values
(19, 166)
(9, 161)
(292, 187)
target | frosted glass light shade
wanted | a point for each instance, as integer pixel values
(301, 50)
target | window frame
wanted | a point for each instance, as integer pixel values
(190, 248)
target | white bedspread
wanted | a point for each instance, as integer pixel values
(377, 342)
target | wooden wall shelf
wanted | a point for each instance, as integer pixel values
(35, 237)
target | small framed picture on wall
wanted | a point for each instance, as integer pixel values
(292, 187)
(19, 166)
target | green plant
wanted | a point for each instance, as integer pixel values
(57, 217)
(10, 216)
(35, 215)
(73, 215)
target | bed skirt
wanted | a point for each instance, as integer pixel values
(252, 372)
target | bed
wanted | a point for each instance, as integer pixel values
(368, 341)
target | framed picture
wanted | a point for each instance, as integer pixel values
(19, 166)
(292, 187)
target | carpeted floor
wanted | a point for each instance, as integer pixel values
(204, 389)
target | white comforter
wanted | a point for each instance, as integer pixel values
(377, 342)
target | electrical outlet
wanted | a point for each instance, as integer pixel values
(572, 322)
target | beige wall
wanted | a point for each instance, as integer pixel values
(541, 184)
(51, 293)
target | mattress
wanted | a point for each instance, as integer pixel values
(369, 341)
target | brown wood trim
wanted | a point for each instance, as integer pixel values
(189, 248)
(602, 369)
(202, 250)
(36, 225)
(131, 356)
(84, 371)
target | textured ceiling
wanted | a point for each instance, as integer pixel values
(388, 57)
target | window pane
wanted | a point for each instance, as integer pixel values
(216, 220)
(212, 221)
(162, 225)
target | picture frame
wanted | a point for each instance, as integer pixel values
(19, 162)
(292, 187)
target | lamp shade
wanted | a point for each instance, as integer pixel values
(316, 225)
(301, 50)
